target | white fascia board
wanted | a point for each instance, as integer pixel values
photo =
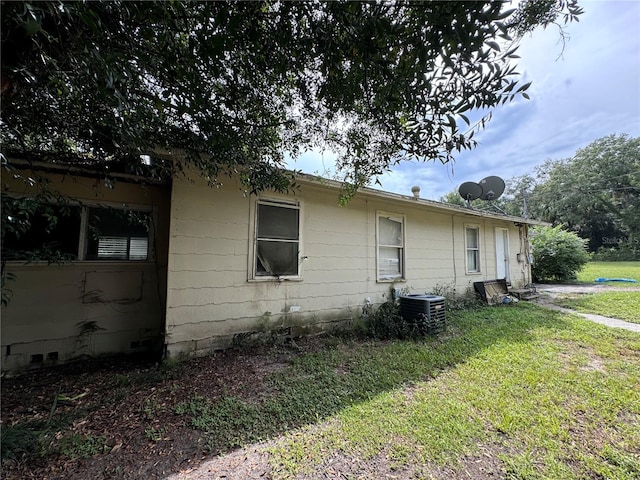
(429, 204)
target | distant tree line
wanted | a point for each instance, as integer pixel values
(595, 193)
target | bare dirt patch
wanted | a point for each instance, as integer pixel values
(128, 405)
(549, 292)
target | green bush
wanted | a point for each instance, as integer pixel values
(386, 322)
(557, 254)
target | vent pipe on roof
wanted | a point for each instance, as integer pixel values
(416, 191)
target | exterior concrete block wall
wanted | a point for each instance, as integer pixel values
(87, 307)
(214, 299)
(226, 267)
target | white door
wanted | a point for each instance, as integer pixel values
(502, 254)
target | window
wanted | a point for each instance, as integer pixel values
(277, 239)
(117, 234)
(65, 233)
(41, 231)
(390, 247)
(472, 241)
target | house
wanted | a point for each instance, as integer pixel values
(112, 297)
(218, 266)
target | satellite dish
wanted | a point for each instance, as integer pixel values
(470, 191)
(492, 188)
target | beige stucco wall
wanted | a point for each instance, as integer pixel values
(211, 298)
(51, 304)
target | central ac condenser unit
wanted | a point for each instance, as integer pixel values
(425, 312)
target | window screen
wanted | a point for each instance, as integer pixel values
(277, 240)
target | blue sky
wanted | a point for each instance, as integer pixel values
(588, 91)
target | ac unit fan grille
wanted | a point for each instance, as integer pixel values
(425, 312)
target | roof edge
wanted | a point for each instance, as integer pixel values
(337, 185)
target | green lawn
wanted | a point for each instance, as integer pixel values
(623, 305)
(593, 270)
(542, 394)
(519, 391)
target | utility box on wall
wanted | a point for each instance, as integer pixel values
(425, 312)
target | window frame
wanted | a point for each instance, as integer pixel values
(70, 204)
(477, 250)
(402, 219)
(83, 233)
(252, 268)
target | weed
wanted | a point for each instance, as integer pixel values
(194, 406)
(503, 376)
(468, 300)
(81, 446)
(122, 380)
(228, 421)
(34, 437)
(505, 382)
(155, 434)
(17, 439)
(150, 407)
(386, 322)
(119, 394)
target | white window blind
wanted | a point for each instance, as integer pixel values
(118, 234)
(138, 248)
(112, 248)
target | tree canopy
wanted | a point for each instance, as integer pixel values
(231, 87)
(595, 193)
(514, 200)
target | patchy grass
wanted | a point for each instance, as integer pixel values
(593, 270)
(511, 391)
(42, 438)
(551, 397)
(81, 446)
(622, 305)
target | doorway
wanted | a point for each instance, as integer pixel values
(502, 254)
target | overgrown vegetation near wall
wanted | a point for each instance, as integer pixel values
(386, 322)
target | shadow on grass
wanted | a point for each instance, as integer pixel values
(250, 405)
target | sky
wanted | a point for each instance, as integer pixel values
(586, 91)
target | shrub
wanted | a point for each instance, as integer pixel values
(386, 322)
(557, 254)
